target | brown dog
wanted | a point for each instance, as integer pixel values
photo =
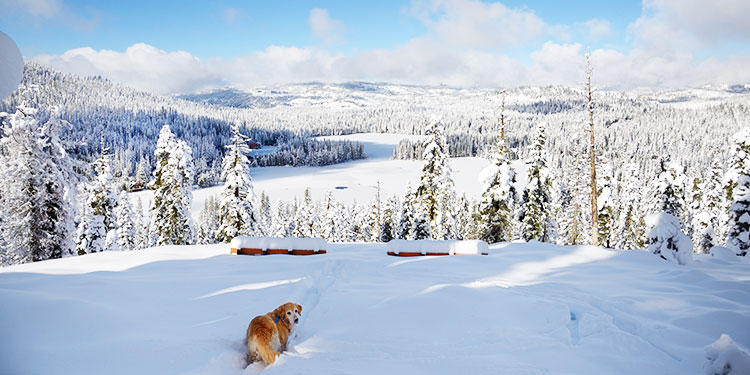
(267, 334)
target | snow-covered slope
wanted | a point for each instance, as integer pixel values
(525, 309)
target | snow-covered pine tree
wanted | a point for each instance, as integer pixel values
(306, 217)
(91, 233)
(535, 213)
(407, 212)
(142, 225)
(666, 239)
(171, 223)
(435, 193)
(389, 220)
(629, 232)
(105, 199)
(739, 212)
(39, 178)
(208, 221)
(669, 195)
(264, 215)
(236, 211)
(496, 207)
(126, 224)
(605, 200)
(715, 203)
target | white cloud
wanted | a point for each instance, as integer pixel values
(680, 25)
(463, 47)
(325, 28)
(232, 15)
(598, 28)
(141, 66)
(478, 24)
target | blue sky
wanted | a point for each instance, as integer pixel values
(456, 42)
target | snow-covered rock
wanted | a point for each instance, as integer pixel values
(724, 253)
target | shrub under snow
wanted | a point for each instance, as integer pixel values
(725, 357)
(665, 238)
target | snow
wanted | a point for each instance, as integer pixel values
(11, 66)
(289, 243)
(725, 357)
(525, 309)
(360, 177)
(667, 240)
(724, 253)
(451, 247)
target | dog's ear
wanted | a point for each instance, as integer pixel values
(279, 311)
(300, 309)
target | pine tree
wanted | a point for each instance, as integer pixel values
(715, 203)
(91, 234)
(306, 217)
(605, 200)
(406, 216)
(669, 195)
(629, 232)
(264, 215)
(497, 204)
(388, 222)
(38, 177)
(142, 225)
(126, 224)
(435, 193)
(171, 223)
(236, 211)
(208, 221)
(739, 212)
(535, 213)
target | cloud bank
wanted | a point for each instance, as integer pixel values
(465, 46)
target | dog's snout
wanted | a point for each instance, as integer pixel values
(296, 320)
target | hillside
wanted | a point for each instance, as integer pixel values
(525, 309)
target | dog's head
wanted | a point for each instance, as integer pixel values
(289, 313)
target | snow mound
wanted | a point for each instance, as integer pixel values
(289, 243)
(724, 253)
(451, 247)
(667, 240)
(725, 357)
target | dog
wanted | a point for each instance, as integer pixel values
(267, 334)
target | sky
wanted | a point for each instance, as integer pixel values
(169, 47)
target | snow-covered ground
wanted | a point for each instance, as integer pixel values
(524, 309)
(350, 181)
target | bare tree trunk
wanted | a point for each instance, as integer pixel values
(594, 207)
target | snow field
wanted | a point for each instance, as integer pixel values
(525, 309)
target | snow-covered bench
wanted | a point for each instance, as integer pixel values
(408, 248)
(246, 245)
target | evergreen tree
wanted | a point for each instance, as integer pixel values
(406, 216)
(388, 222)
(34, 198)
(629, 232)
(126, 224)
(264, 216)
(715, 203)
(306, 217)
(669, 195)
(535, 213)
(142, 225)
(435, 193)
(498, 197)
(91, 234)
(236, 212)
(605, 200)
(171, 223)
(739, 212)
(208, 221)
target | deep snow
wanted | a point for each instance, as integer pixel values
(524, 309)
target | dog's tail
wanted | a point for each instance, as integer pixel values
(267, 353)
